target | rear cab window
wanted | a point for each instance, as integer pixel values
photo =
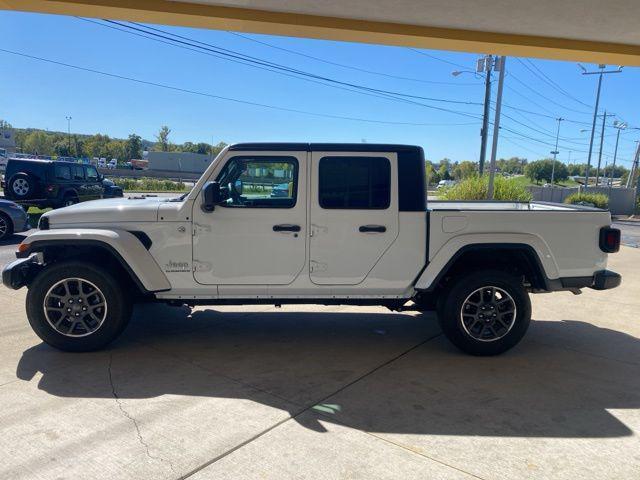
(357, 183)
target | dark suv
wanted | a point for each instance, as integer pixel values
(47, 183)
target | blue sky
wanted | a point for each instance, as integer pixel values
(40, 94)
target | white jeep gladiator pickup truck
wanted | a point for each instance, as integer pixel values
(309, 223)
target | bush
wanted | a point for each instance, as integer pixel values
(599, 200)
(476, 188)
(146, 184)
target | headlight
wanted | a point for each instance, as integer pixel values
(43, 223)
(15, 206)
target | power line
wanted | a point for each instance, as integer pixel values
(342, 65)
(250, 59)
(229, 99)
(275, 68)
(437, 58)
(533, 90)
(545, 78)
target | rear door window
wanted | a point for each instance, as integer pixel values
(63, 172)
(358, 183)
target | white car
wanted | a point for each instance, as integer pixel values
(353, 228)
(445, 183)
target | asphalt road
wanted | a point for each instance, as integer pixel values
(630, 233)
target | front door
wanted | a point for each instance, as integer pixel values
(257, 236)
(354, 214)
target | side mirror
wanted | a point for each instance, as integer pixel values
(210, 196)
(239, 186)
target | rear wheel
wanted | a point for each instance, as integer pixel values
(69, 199)
(22, 186)
(485, 313)
(6, 226)
(75, 306)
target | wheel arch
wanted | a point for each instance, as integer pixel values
(115, 248)
(517, 258)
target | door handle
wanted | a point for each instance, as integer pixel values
(373, 228)
(286, 228)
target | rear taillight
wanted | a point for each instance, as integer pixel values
(609, 239)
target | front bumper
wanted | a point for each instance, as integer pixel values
(19, 273)
(601, 280)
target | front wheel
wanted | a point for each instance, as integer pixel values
(75, 306)
(485, 313)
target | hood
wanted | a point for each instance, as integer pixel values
(137, 209)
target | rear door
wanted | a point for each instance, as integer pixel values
(353, 214)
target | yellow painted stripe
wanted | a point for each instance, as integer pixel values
(332, 28)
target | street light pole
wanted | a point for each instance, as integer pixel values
(496, 127)
(604, 119)
(555, 151)
(634, 165)
(69, 132)
(618, 126)
(601, 72)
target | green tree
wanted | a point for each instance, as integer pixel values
(133, 147)
(541, 170)
(4, 125)
(162, 143)
(38, 143)
(465, 169)
(432, 175)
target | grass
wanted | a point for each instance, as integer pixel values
(599, 200)
(476, 188)
(146, 184)
(526, 182)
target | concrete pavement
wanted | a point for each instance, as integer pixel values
(328, 392)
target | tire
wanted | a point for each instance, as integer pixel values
(69, 199)
(6, 226)
(21, 186)
(498, 321)
(59, 285)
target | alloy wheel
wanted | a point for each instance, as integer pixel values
(75, 307)
(488, 314)
(4, 227)
(21, 187)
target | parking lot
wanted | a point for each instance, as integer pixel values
(334, 392)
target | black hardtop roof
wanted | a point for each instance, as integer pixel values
(43, 160)
(324, 147)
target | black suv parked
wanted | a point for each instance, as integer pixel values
(47, 183)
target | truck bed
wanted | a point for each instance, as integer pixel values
(482, 205)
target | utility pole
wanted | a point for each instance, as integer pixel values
(486, 64)
(601, 72)
(500, 64)
(69, 132)
(618, 126)
(556, 152)
(604, 119)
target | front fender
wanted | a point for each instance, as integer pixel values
(126, 247)
(453, 246)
